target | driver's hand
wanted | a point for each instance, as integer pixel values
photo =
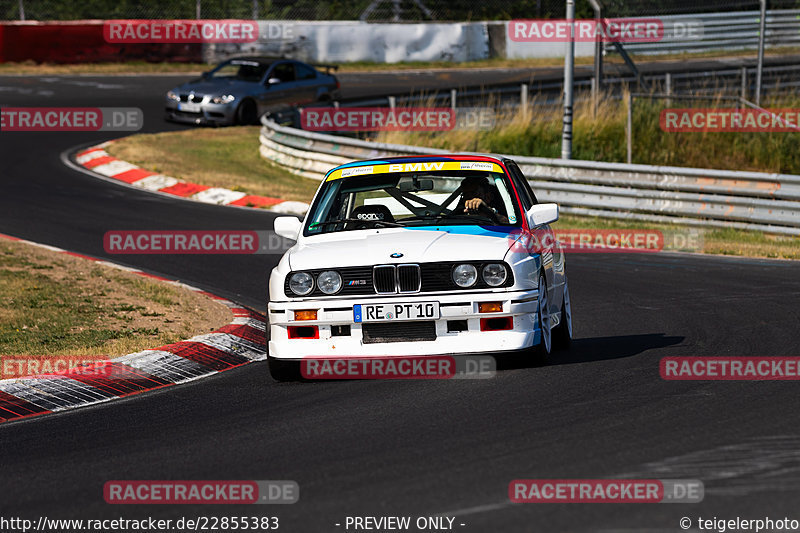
(473, 204)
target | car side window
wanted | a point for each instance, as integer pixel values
(525, 191)
(284, 72)
(305, 73)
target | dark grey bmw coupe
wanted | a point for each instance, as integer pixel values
(241, 90)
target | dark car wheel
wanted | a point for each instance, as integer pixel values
(246, 113)
(562, 334)
(541, 353)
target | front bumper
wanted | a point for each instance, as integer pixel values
(520, 306)
(209, 114)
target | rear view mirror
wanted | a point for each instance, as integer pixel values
(415, 185)
(542, 214)
(288, 227)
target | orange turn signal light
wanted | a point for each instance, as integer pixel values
(306, 314)
(490, 307)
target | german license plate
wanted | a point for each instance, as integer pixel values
(189, 107)
(398, 311)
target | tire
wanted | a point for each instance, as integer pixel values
(246, 113)
(283, 370)
(562, 334)
(542, 351)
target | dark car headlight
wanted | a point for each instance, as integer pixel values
(329, 282)
(465, 275)
(224, 99)
(301, 283)
(494, 274)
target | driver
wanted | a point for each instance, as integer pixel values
(478, 197)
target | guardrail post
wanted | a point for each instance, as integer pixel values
(668, 87)
(597, 81)
(566, 133)
(744, 83)
(392, 102)
(629, 128)
(762, 27)
(453, 99)
(523, 100)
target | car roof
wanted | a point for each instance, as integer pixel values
(265, 60)
(435, 158)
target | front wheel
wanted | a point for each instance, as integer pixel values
(246, 113)
(562, 334)
(542, 351)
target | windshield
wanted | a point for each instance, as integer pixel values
(239, 69)
(409, 199)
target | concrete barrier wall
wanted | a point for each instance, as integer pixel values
(350, 41)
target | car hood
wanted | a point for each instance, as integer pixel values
(216, 87)
(418, 245)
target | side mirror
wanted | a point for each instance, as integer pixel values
(288, 227)
(273, 81)
(542, 214)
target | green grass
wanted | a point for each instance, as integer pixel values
(602, 138)
(225, 157)
(52, 305)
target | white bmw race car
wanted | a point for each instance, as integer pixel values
(417, 256)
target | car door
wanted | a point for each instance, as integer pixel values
(278, 87)
(545, 241)
(309, 83)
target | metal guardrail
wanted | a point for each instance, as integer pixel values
(692, 196)
(737, 30)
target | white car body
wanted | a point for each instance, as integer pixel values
(458, 328)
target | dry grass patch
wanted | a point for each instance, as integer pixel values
(55, 304)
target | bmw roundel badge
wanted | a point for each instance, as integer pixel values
(396, 255)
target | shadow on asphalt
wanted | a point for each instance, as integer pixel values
(595, 349)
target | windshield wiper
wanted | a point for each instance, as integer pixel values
(441, 216)
(355, 220)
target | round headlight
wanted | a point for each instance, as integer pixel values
(329, 282)
(494, 274)
(301, 283)
(172, 96)
(465, 275)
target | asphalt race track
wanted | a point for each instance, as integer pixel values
(410, 448)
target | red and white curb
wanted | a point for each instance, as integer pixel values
(239, 343)
(97, 160)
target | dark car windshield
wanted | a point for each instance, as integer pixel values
(408, 199)
(240, 69)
